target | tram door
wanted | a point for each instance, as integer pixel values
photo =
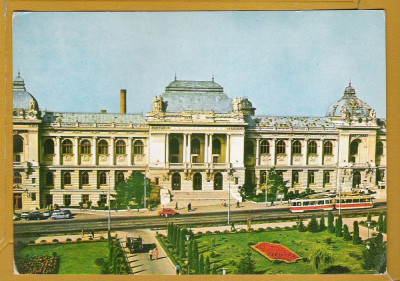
(17, 201)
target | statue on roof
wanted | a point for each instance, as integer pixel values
(157, 104)
(345, 113)
(33, 109)
(372, 114)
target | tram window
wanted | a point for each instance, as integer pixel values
(306, 203)
(356, 200)
(298, 203)
(363, 200)
(342, 200)
(348, 200)
(312, 203)
(321, 202)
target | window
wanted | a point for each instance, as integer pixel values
(311, 177)
(295, 177)
(138, 147)
(174, 147)
(103, 199)
(218, 181)
(67, 200)
(312, 147)
(249, 149)
(33, 196)
(67, 147)
(85, 147)
(216, 146)
(103, 178)
(120, 177)
(85, 198)
(379, 148)
(85, 178)
(195, 146)
(263, 177)
(157, 181)
(49, 178)
(33, 180)
(215, 159)
(49, 146)
(67, 178)
(197, 182)
(17, 177)
(264, 147)
(176, 181)
(280, 147)
(18, 144)
(120, 147)
(296, 148)
(327, 177)
(354, 147)
(328, 148)
(380, 175)
(356, 179)
(103, 147)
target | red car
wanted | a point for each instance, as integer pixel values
(167, 212)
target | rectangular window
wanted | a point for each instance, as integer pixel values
(33, 180)
(215, 159)
(103, 199)
(33, 196)
(195, 159)
(157, 180)
(67, 200)
(236, 180)
(85, 198)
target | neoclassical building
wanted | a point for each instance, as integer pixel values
(197, 144)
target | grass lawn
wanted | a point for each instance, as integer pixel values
(76, 258)
(230, 247)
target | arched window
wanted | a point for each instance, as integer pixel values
(264, 147)
(120, 147)
(354, 147)
(296, 147)
(176, 181)
(138, 147)
(295, 177)
(311, 177)
(249, 149)
(49, 178)
(120, 177)
(327, 177)
(197, 182)
(103, 178)
(67, 147)
(195, 146)
(263, 177)
(218, 181)
(18, 144)
(85, 147)
(85, 178)
(328, 148)
(102, 147)
(49, 146)
(280, 147)
(356, 179)
(17, 177)
(67, 178)
(312, 147)
(379, 148)
(216, 146)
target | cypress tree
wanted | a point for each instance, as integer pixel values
(384, 224)
(313, 224)
(346, 233)
(301, 226)
(322, 226)
(331, 218)
(214, 269)
(369, 217)
(207, 266)
(339, 227)
(356, 234)
(182, 248)
(201, 264)
(190, 253)
(380, 222)
(195, 256)
(178, 241)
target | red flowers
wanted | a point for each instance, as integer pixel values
(276, 252)
(37, 265)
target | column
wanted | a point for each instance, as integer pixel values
(94, 152)
(58, 150)
(319, 151)
(205, 148)
(210, 148)
(304, 150)
(290, 152)
(130, 151)
(76, 150)
(273, 151)
(228, 148)
(112, 145)
(184, 148)
(257, 152)
(189, 151)
(166, 147)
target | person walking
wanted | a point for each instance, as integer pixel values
(178, 268)
(189, 207)
(151, 254)
(92, 233)
(238, 204)
(232, 225)
(156, 254)
(176, 205)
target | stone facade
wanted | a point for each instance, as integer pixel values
(188, 149)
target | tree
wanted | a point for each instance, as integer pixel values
(320, 259)
(369, 217)
(214, 269)
(275, 184)
(374, 255)
(346, 233)
(380, 222)
(246, 265)
(247, 190)
(131, 190)
(313, 224)
(182, 248)
(201, 264)
(195, 256)
(356, 233)
(384, 230)
(207, 266)
(301, 227)
(190, 253)
(331, 218)
(339, 227)
(322, 226)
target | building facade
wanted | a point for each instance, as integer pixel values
(197, 143)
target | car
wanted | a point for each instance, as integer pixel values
(35, 215)
(60, 215)
(25, 215)
(47, 214)
(67, 213)
(167, 212)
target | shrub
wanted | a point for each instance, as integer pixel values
(269, 228)
(251, 243)
(68, 240)
(276, 242)
(301, 226)
(43, 241)
(208, 232)
(217, 232)
(354, 255)
(339, 227)
(102, 238)
(79, 240)
(199, 233)
(287, 228)
(91, 238)
(322, 226)
(242, 230)
(31, 242)
(226, 231)
(313, 224)
(305, 259)
(331, 218)
(55, 240)
(260, 229)
(328, 240)
(356, 235)
(277, 228)
(346, 233)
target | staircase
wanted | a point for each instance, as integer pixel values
(200, 198)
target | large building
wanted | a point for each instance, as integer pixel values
(196, 144)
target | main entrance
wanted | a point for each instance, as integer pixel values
(17, 201)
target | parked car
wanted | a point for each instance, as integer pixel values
(60, 215)
(167, 212)
(67, 212)
(35, 215)
(25, 215)
(47, 214)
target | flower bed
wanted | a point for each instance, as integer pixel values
(37, 265)
(276, 252)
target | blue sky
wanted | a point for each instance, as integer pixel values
(286, 63)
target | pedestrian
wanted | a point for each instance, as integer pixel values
(151, 254)
(176, 205)
(178, 268)
(189, 207)
(224, 203)
(92, 233)
(238, 204)
(232, 225)
(156, 253)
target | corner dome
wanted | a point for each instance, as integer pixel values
(21, 98)
(350, 103)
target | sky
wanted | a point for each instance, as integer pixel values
(292, 63)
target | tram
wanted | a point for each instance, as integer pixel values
(354, 202)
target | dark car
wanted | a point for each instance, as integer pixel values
(167, 212)
(35, 215)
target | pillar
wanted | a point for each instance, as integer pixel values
(189, 152)
(304, 149)
(257, 152)
(94, 152)
(290, 152)
(228, 148)
(273, 151)
(76, 150)
(130, 151)
(58, 150)
(112, 147)
(166, 147)
(319, 151)
(184, 148)
(205, 148)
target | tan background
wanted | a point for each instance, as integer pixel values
(392, 9)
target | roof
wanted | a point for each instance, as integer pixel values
(287, 121)
(70, 117)
(21, 98)
(196, 96)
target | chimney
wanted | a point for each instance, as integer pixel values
(123, 101)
